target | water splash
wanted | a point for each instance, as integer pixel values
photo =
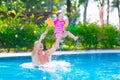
(52, 66)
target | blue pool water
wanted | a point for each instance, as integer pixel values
(97, 66)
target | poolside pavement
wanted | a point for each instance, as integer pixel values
(61, 52)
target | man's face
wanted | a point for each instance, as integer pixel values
(40, 46)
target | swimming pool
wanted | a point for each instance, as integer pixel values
(67, 66)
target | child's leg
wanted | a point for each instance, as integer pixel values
(58, 39)
(67, 33)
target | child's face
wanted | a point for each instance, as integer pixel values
(60, 16)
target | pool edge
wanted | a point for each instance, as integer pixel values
(60, 53)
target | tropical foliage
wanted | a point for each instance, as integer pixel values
(17, 34)
(22, 22)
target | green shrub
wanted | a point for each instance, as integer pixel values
(118, 38)
(17, 34)
(109, 34)
(93, 31)
(89, 35)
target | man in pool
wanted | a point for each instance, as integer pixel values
(40, 57)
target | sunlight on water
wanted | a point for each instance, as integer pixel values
(117, 76)
(96, 66)
(3, 66)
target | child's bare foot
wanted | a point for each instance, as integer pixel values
(76, 38)
(61, 41)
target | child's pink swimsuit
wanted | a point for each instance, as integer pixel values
(59, 26)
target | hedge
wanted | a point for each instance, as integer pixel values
(16, 34)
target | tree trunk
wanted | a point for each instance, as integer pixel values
(101, 13)
(118, 11)
(85, 10)
(108, 5)
(8, 5)
(8, 50)
(50, 4)
(68, 7)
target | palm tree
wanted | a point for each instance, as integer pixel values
(108, 5)
(101, 10)
(69, 7)
(73, 10)
(85, 9)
